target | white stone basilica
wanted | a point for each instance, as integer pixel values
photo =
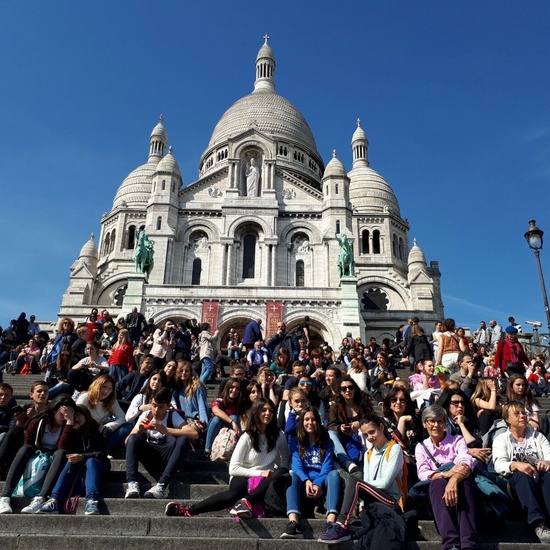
(257, 233)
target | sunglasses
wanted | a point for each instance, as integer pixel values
(346, 388)
(304, 383)
(398, 400)
(456, 403)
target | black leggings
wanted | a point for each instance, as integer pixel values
(17, 468)
(238, 488)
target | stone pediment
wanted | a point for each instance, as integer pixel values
(421, 278)
(293, 189)
(81, 270)
(209, 187)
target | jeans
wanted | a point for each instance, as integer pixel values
(62, 388)
(534, 496)
(118, 436)
(339, 450)
(93, 470)
(170, 454)
(118, 372)
(296, 491)
(214, 427)
(207, 369)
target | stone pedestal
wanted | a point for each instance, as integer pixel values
(352, 321)
(134, 293)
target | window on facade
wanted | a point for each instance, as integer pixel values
(376, 242)
(131, 237)
(113, 237)
(395, 246)
(375, 299)
(365, 245)
(163, 185)
(173, 186)
(119, 295)
(249, 256)
(337, 226)
(197, 268)
(159, 223)
(300, 273)
(401, 249)
(107, 243)
(336, 189)
(141, 228)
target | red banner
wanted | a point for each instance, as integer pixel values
(210, 314)
(274, 315)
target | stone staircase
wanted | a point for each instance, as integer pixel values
(140, 524)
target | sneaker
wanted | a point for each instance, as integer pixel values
(242, 509)
(34, 506)
(352, 468)
(334, 533)
(5, 505)
(156, 491)
(293, 531)
(49, 508)
(542, 532)
(175, 509)
(133, 490)
(91, 508)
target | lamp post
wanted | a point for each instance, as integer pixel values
(533, 236)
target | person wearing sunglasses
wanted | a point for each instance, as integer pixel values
(344, 416)
(451, 491)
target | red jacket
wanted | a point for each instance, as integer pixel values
(122, 354)
(510, 350)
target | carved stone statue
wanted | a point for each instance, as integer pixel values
(143, 256)
(346, 263)
(252, 174)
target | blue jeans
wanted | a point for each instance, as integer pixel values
(118, 436)
(214, 427)
(94, 470)
(118, 372)
(339, 450)
(207, 369)
(63, 388)
(332, 488)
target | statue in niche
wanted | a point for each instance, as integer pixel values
(346, 264)
(201, 243)
(143, 256)
(252, 174)
(301, 246)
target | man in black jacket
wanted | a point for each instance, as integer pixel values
(132, 383)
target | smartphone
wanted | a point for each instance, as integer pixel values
(18, 409)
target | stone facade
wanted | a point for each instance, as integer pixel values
(259, 226)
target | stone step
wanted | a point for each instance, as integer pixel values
(150, 521)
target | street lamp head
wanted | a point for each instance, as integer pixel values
(533, 236)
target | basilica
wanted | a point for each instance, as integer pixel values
(260, 234)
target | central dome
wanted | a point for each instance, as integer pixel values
(269, 113)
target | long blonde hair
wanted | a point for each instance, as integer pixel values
(192, 385)
(93, 392)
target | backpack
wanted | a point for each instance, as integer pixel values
(224, 445)
(401, 479)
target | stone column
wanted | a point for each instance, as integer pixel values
(230, 264)
(273, 265)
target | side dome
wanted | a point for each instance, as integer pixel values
(169, 164)
(370, 192)
(269, 113)
(89, 252)
(136, 187)
(334, 167)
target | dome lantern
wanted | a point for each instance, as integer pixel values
(158, 140)
(265, 68)
(360, 146)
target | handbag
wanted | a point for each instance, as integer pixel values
(33, 476)
(223, 445)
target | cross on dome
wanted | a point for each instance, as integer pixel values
(266, 37)
(358, 123)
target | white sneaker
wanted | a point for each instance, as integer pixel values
(156, 491)
(133, 490)
(5, 505)
(352, 468)
(36, 504)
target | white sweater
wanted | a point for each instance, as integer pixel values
(536, 444)
(247, 462)
(112, 419)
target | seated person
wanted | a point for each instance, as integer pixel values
(7, 413)
(161, 436)
(256, 357)
(236, 372)
(451, 492)
(381, 479)
(466, 375)
(312, 476)
(131, 384)
(425, 384)
(522, 455)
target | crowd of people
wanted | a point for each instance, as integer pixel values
(299, 421)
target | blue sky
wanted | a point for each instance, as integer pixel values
(453, 96)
